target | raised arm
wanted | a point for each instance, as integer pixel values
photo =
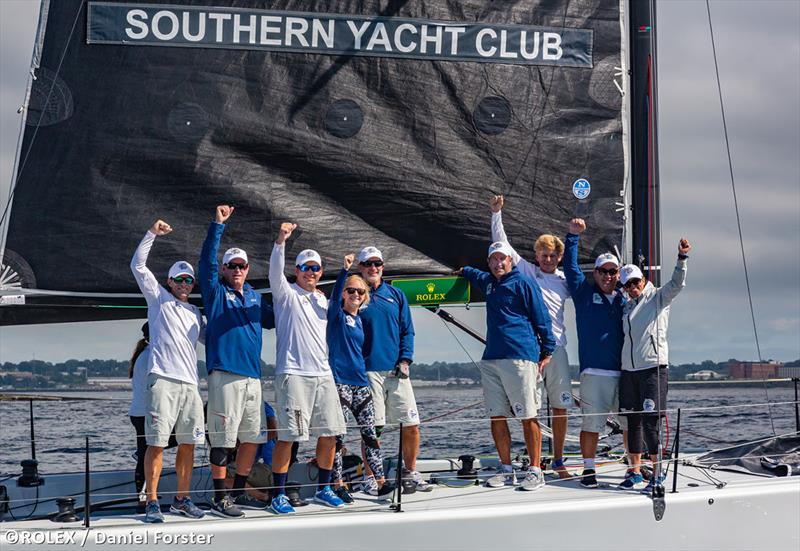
(498, 231)
(670, 290)
(334, 304)
(145, 279)
(278, 283)
(207, 268)
(572, 271)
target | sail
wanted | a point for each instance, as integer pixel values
(366, 123)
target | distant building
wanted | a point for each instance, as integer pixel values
(789, 372)
(754, 370)
(705, 375)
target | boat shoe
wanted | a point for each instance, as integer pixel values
(502, 478)
(534, 479)
(152, 512)
(184, 506)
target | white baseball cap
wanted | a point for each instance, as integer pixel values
(605, 258)
(499, 247)
(308, 255)
(630, 271)
(233, 254)
(180, 268)
(369, 252)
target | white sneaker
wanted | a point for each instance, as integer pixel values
(533, 480)
(370, 486)
(422, 485)
(501, 479)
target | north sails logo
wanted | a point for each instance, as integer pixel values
(184, 266)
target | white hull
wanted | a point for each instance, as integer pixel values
(748, 513)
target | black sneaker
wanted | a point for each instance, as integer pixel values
(386, 489)
(342, 493)
(246, 501)
(588, 480)
(225, 508)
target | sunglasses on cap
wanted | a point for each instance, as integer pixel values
(375, 263)
(352, 290)
(310, 267)
(237, 266)
(632, 283)
(188, 280)
(611, 272)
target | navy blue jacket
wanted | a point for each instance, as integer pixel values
(345, 334)
(233, 320)
(518, 326)
(388, 329)
(599, 321)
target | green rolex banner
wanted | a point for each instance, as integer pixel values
(434, 291)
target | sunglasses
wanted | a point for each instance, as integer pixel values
(611, 272)
(310, 267)
(375, 263)
(234, 266)
(352, 290)
(188, 280)
(632, 283)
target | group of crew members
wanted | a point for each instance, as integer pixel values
(352, 355)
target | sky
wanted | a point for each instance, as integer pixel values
(758, 50)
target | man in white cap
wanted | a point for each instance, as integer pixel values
(305, 392)
(645, 361)
(388, 354)
(549, 251)
(172, 397)
(519, 344)
(598, 316)
(236, 315)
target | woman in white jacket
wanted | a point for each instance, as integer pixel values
(645, 361)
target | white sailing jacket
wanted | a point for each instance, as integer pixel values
(646, 320)
(554, 286)
(301, 321)
(175, 326)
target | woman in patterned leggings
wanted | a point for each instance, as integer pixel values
(345, 336)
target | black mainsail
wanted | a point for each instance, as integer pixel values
(364, 122)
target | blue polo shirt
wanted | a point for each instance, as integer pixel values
(518, 326)
(345, 334)
(234, 320)
(388, 329)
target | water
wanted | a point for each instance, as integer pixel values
(61, 427)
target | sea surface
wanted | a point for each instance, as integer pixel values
(712, 417)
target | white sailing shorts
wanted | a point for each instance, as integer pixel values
(511, 388)
(600, 399)
(173, 404)
(393, 398)
(235, 410)
(557, 382)
(306, 406)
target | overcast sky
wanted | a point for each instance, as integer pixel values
(758, 46)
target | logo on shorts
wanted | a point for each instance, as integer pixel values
(350, 320)
(198, 433)
(566, 398)
(597, 299)
(412, 414)
(649, 405)
(519, 409)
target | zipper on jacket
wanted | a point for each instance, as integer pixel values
(655, 348)
(630, 336)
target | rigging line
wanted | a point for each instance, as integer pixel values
(736, 205)
(41, 115)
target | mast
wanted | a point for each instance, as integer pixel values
(646, 226)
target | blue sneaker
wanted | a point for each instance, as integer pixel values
(280, 505)
(152, 512)
(633, 481)
(326, 497)
(185, 507)
(654, 480)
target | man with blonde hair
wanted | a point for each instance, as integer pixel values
(549, 251)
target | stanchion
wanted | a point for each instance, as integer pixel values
(87, 506)
(398, 507)
(675, 455)
(796, 406)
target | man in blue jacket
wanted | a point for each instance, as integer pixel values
(388, 352)
(519, 344)
(235, 315)
(598, 316)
